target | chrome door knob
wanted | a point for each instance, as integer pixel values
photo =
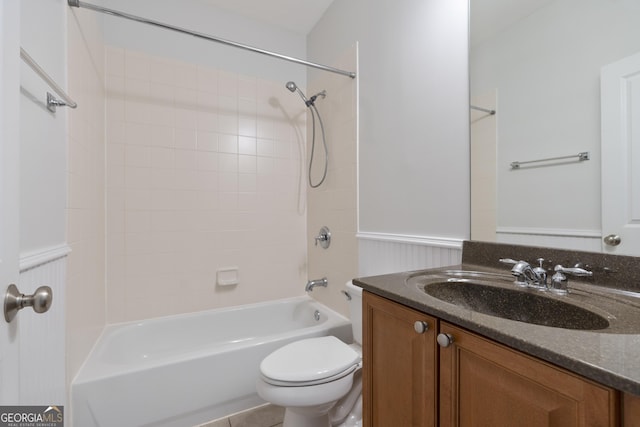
(612, 240)
(14, 301)
(445, 340)
(420, 326)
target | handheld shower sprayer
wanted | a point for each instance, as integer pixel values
(310, 103)
(294, 88)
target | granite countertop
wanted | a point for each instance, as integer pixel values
(612, 359)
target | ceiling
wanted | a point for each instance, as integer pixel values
(298, 16)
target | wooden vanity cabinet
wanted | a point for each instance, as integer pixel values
(630, 410)
(409, 380)
(399, 383)
(483, 383)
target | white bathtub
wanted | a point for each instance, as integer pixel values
(180, 371)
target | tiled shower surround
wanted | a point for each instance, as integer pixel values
(334, 203)
(204, 172)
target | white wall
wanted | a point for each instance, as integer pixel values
(199, 16)
(414, 118)
(43, 134)
(546, 70)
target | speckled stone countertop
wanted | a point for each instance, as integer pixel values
(612, 359)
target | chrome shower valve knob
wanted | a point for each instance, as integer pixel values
(323, 237)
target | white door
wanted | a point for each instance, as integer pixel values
(9, 202)
(620, 86)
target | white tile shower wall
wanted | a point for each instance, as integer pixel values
(334, 203)
(86, 302)
(203, 173)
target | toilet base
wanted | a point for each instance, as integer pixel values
(307, 417)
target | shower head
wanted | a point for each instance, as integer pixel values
(291, 86)
(294, 88)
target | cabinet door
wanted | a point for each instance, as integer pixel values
(630, 410)
(483, 383)
(399, 381)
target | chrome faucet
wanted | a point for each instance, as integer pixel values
(313, 283)
(527, 276)
(536, 277)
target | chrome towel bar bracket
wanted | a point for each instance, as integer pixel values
(52, 101)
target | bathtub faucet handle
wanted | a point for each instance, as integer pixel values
(318, 282)
(324, 237)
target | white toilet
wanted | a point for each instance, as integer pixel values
(318, 380)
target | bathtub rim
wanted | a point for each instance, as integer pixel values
(93, 369)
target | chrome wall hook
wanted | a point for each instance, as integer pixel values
(14, 301)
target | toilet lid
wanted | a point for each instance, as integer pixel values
(309, 360)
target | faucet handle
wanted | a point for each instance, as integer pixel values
(324, 237)
(559, 282)
(541, 273)
(508, 261)
(574, 271)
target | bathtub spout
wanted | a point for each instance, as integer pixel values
(313, 283)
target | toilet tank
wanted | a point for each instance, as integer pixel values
(355, 310)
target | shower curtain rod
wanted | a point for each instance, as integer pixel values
(81, 4)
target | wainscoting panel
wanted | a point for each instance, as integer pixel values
(42, 337)
(386, 253)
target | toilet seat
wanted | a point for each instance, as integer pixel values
(309, 362)
(335, 377)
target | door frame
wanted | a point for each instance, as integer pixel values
(620, 214)
(9, 192)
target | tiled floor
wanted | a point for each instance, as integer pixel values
(263, 416)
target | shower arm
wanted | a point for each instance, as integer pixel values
(81, 4)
